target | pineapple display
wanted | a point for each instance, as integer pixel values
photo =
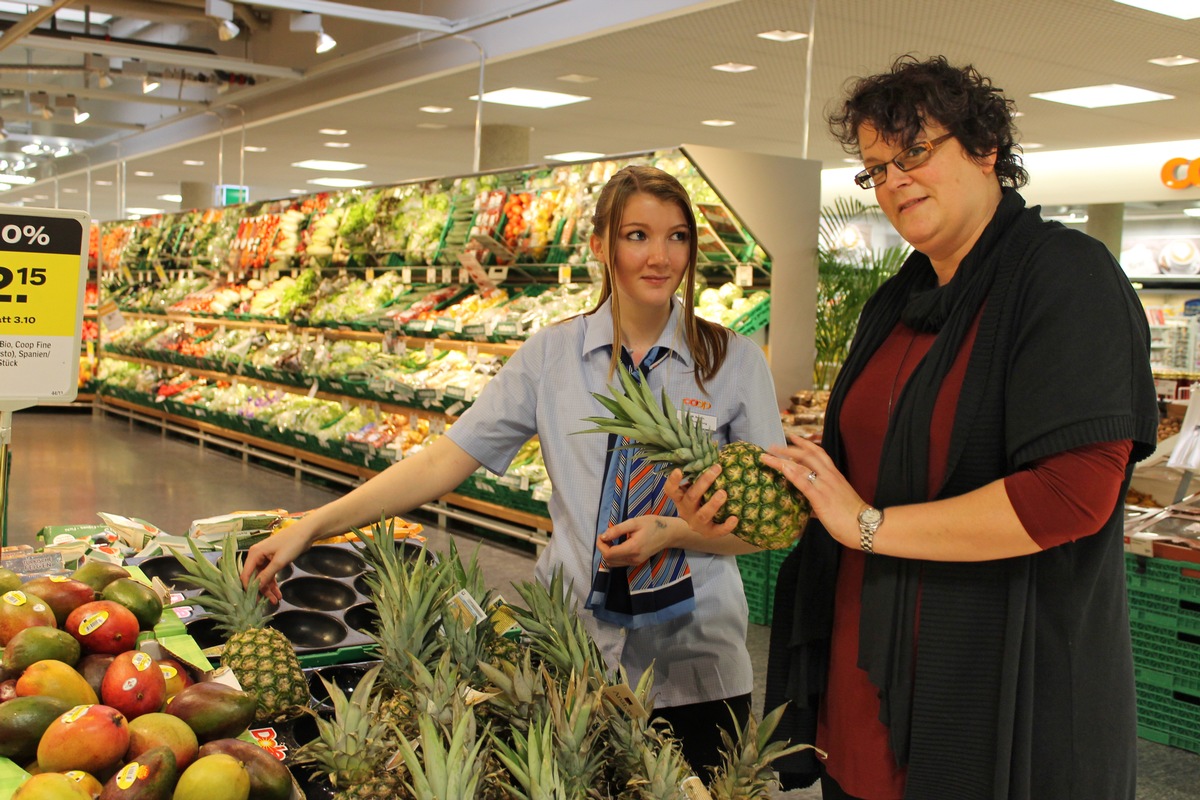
(769, 509)
(262, 659)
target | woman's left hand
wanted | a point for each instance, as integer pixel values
(810, 469)
(645, 537)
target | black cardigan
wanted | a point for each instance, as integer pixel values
(1023, 683)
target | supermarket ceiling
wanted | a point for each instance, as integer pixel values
(242, 94)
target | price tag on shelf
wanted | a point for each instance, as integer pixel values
(564, 273)
(429, 350)
(744, 275)
(431, 275)
(43, 273)
(406, 274)
(110, 316)
(472, 352)
(447, 274)
(370, 274)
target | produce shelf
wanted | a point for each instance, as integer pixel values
(513, 523)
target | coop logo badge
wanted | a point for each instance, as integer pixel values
(1179, 173)
(699, 405)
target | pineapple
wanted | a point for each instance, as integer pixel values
(262, 658)
(769, 509)
(352, 748)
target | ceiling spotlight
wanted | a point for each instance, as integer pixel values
(104, 81)
(307, 22)
(81, 116)
(149, 84)
(227, 30)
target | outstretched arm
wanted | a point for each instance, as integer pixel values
(418, 479)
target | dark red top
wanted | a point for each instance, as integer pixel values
(1058, 499)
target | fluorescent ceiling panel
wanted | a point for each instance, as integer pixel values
(339, 183)
(327, 166)
(530, 98)
(1105, 95)
(1180, 9)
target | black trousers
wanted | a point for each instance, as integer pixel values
(830, 790)
(698, 728)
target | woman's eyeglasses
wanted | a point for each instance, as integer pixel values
(913, 156)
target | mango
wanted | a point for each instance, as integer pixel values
(89, 782)
(9, 580)
(157, 729)
(91, 739)
(40, 643)
(103, 626)
(99, 574)
(20, 610)
(55, 679)
(62, 594)
(269, 778)
(50, 786)
(134, 684)
(152, 776)
(23, 720)
(139, 598)
(214, 710)
(214, 777)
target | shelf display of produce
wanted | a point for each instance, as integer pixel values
(400, 299)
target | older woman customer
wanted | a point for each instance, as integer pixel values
(953, 623)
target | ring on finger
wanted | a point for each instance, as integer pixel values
(812, 476)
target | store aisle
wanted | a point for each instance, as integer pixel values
(68, 464)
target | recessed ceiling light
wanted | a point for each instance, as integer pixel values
(191, 162)
(333, 131)
(250, 148)
(1192, 212)
(1174, 61)
(1180, 9)
(436, 109)
(855, 161)
(1103, 96)
(339, 183)
(143, 211)
(733, 66)
(1017, 114)
(4, 187)
(783, 36)
(1031, 145)
(24, 180)
(574, 155)
(576, 78)
(69, 190)
(327, 166)
(143, 173)
(171, 198)
(718, 123)
(433, 126)
(530, 98)
(298, 191)
(98, 183)
(337, 144)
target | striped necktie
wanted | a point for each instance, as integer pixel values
(659, 589)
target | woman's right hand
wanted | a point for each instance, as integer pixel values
(268, 557)
(690, 504)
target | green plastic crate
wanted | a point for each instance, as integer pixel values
(1162, 577)
(1168, 715)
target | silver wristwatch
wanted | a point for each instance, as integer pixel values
(869, 520)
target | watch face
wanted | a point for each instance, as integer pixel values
(870, 516)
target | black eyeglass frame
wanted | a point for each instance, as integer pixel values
(866, 180)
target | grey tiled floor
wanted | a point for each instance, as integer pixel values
(69, 464)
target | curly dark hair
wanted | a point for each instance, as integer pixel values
(899, 103)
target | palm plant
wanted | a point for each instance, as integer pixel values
(846, 277)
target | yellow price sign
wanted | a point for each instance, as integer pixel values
(42, 276)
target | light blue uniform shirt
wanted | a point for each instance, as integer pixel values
(545, 389)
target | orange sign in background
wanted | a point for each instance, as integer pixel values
(1179, 173)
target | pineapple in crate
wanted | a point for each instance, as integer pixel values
(769, 509)
(261, 658)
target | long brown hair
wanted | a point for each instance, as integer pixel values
(707, 341)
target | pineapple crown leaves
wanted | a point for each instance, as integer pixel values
(350, 746)
(555, 632)
(653, 427)
(234, 607)
(530, 762)
(444, 770)
(748, 754)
